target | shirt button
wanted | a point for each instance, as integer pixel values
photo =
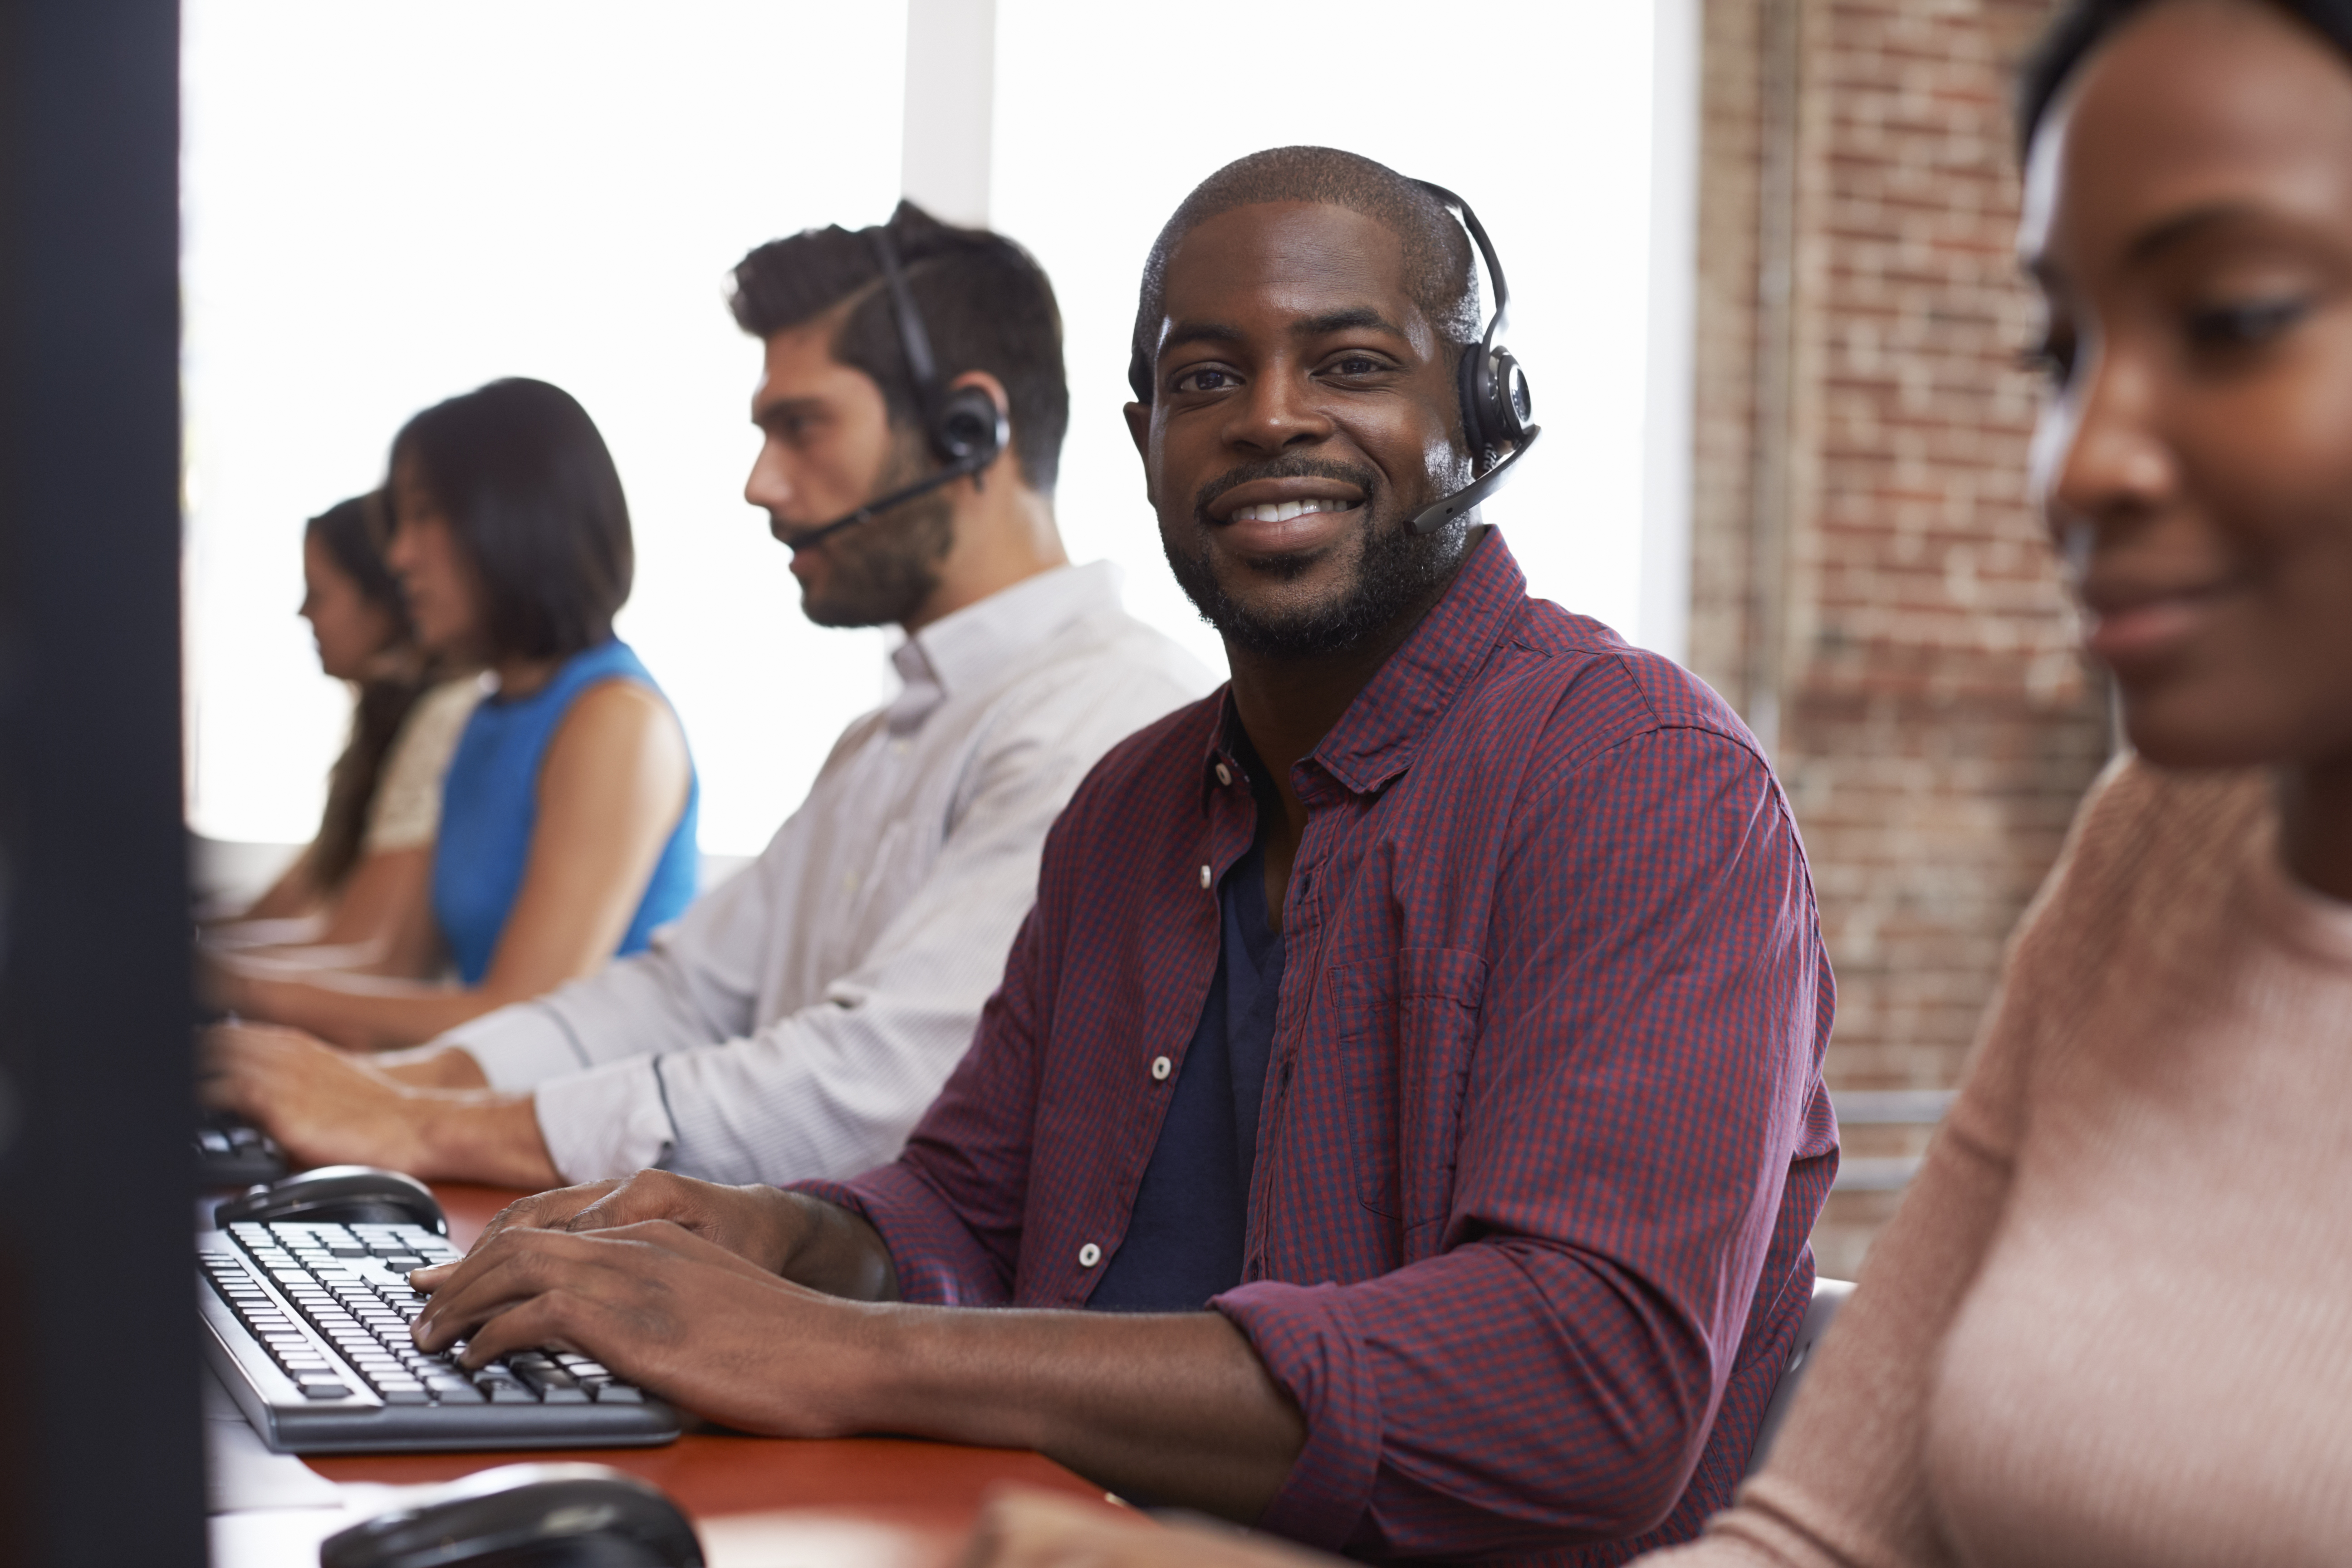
(1160, 1068)
(1089, 1254)
(1204, 876)
(1224, 774)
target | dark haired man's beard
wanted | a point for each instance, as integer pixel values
(883, 570)
(1394, 572)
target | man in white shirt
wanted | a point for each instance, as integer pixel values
(795, 1021)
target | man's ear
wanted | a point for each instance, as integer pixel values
(990, 385)
(1138, 425)
(994, 389)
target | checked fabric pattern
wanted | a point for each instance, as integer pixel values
(1544, 1131)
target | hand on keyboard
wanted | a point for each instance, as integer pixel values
(348, 1284)
(667, 1309)
(758, 1222)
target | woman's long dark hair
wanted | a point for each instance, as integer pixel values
(352, 532)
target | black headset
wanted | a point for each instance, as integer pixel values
(1493, 390)
(1494, 402)
(964, 425)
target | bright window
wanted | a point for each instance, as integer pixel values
(388, 205)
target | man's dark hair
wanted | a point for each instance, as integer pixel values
(985, 303)
(2085, 25)
(1439, 265)
(530, 493)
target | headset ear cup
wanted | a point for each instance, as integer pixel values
(1473, 427)
(968, 426)
(1506, 405)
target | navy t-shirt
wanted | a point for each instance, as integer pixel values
(1183, 1242)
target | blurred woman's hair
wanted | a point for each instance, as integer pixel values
(352, 534)
(529, 490)
(2086, 24)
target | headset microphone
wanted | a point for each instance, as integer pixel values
(800, 538)
(965, 428)
(1494, 390)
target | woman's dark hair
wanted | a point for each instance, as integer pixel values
(2085, 25)
(518, 470)
(353, 533)
(985, 305)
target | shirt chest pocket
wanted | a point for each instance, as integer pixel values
(1406, 1033)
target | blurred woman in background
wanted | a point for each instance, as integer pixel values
(358, 886)
(567, 829)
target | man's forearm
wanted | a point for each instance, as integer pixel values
(481, 1136)
(433, 1067)
(827, 1247)
(1162, 1408)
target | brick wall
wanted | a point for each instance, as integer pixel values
(1869, 585)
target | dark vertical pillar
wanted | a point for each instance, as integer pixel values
(100, 1457)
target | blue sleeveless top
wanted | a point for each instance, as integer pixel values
(490, 809)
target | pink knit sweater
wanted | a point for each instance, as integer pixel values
(2113, 1321)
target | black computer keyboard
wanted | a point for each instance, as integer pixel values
(307, 1323)
(233, 1152)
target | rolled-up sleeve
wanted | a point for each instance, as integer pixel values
(1648, 1057)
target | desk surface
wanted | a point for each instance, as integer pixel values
(865, 1500)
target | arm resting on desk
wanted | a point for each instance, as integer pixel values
(1176, 1409)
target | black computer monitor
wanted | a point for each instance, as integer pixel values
(100, 1449)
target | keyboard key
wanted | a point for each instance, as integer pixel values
(619, 1393)
(406, 1396)
(325, 1391)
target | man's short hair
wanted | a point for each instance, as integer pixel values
(985, 303)
(1438, 263)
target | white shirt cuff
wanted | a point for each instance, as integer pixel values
(520, 1046)
(607, 1121)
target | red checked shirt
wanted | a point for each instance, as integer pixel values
(1543, 1132)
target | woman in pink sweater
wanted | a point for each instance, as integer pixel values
(2113, 1321)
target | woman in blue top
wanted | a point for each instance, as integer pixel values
(568, 812)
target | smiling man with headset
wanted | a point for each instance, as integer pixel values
(794, 1022)
(1441, 1006)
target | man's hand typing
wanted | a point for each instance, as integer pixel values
(333, 1107)
(773, 1311)
(801, 1239)
(668, 1310)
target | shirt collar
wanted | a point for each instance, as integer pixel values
(964, 651)
(1374, 739)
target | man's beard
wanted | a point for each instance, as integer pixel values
(883, 570)
(1394, 572)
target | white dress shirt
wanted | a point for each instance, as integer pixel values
(796, 1020)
